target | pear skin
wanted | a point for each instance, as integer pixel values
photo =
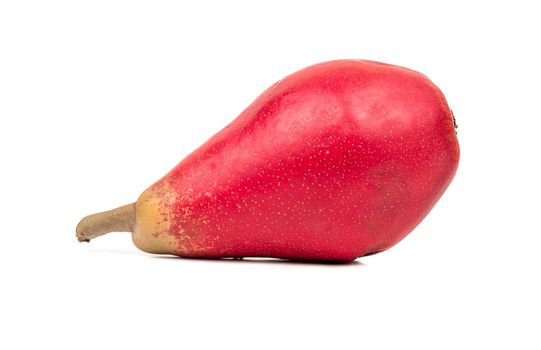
(339, 160)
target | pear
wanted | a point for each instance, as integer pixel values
(336, 161)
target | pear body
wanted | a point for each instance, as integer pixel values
(336, 161)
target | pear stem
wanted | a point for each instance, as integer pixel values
(120, 219)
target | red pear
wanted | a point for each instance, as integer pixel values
(336, 161)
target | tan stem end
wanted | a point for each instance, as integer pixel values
(121, 219)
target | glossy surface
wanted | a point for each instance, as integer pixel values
(336, 161)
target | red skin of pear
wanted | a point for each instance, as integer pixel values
(336, 161)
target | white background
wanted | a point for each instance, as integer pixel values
(98, 99)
